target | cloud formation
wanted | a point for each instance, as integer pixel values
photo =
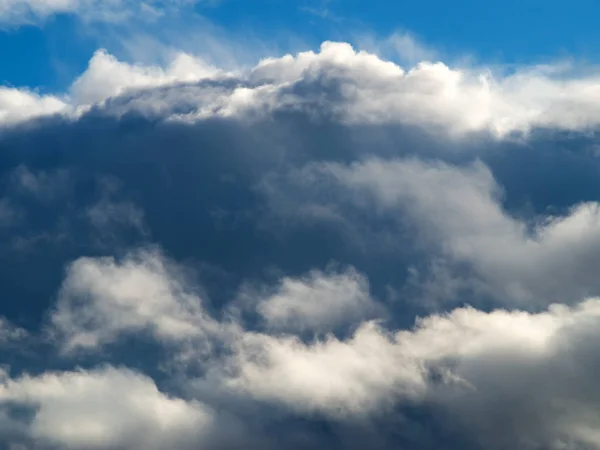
(459, 212)
(104, 408)
(503, 378)
(322, 251)
(354, 86)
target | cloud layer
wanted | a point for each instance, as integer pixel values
(323, 251)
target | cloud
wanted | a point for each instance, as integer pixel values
(102, 299)
(10, 333)
(355, 87)
(352, 377)
(107, 77)
(104, 408)
(17, 105)
(457, 211)
(42, 186)
(320, 302)
(371, 90)
(505, 379)
(400, 45)
(249, 254)
(20, 12)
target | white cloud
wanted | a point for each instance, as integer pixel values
(353, 86)
(319, 302)
(107, 77)
(358, 87)
(535, 370)
(506, 379)
(350, 378)
(105, 408)
(17, 105)
(102, 299)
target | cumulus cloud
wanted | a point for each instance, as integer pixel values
(17, 105)
(319, 302)
(507, 379)
(103, 298)
(259, 235)
(353, 86)
(346, 378)
(104, 408)
(458, 210)
(107, 77)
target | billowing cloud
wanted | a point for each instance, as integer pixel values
(102, 299)
(508, 378)
(504, 379)
(107, 77)
(17, 105)
(319, 303)
(459, 211)
(354, 86)
(104, 408)
(325, 250)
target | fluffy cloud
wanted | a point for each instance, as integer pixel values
(299, 202)
(107, 77)
(102, 299)
(104, 408)
(319, 302)
(17, 105)
(507, 379)
(355, 87)
(517, 378)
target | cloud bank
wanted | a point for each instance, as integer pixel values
(325, 250)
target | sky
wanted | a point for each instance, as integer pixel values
(303, 225)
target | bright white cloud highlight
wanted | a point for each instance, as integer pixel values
(529, 369)
(17, 105)
(105, 408)
(319, 302)
(352, 86)
(107, 77)
(102, 299)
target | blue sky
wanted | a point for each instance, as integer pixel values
(48, 54)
